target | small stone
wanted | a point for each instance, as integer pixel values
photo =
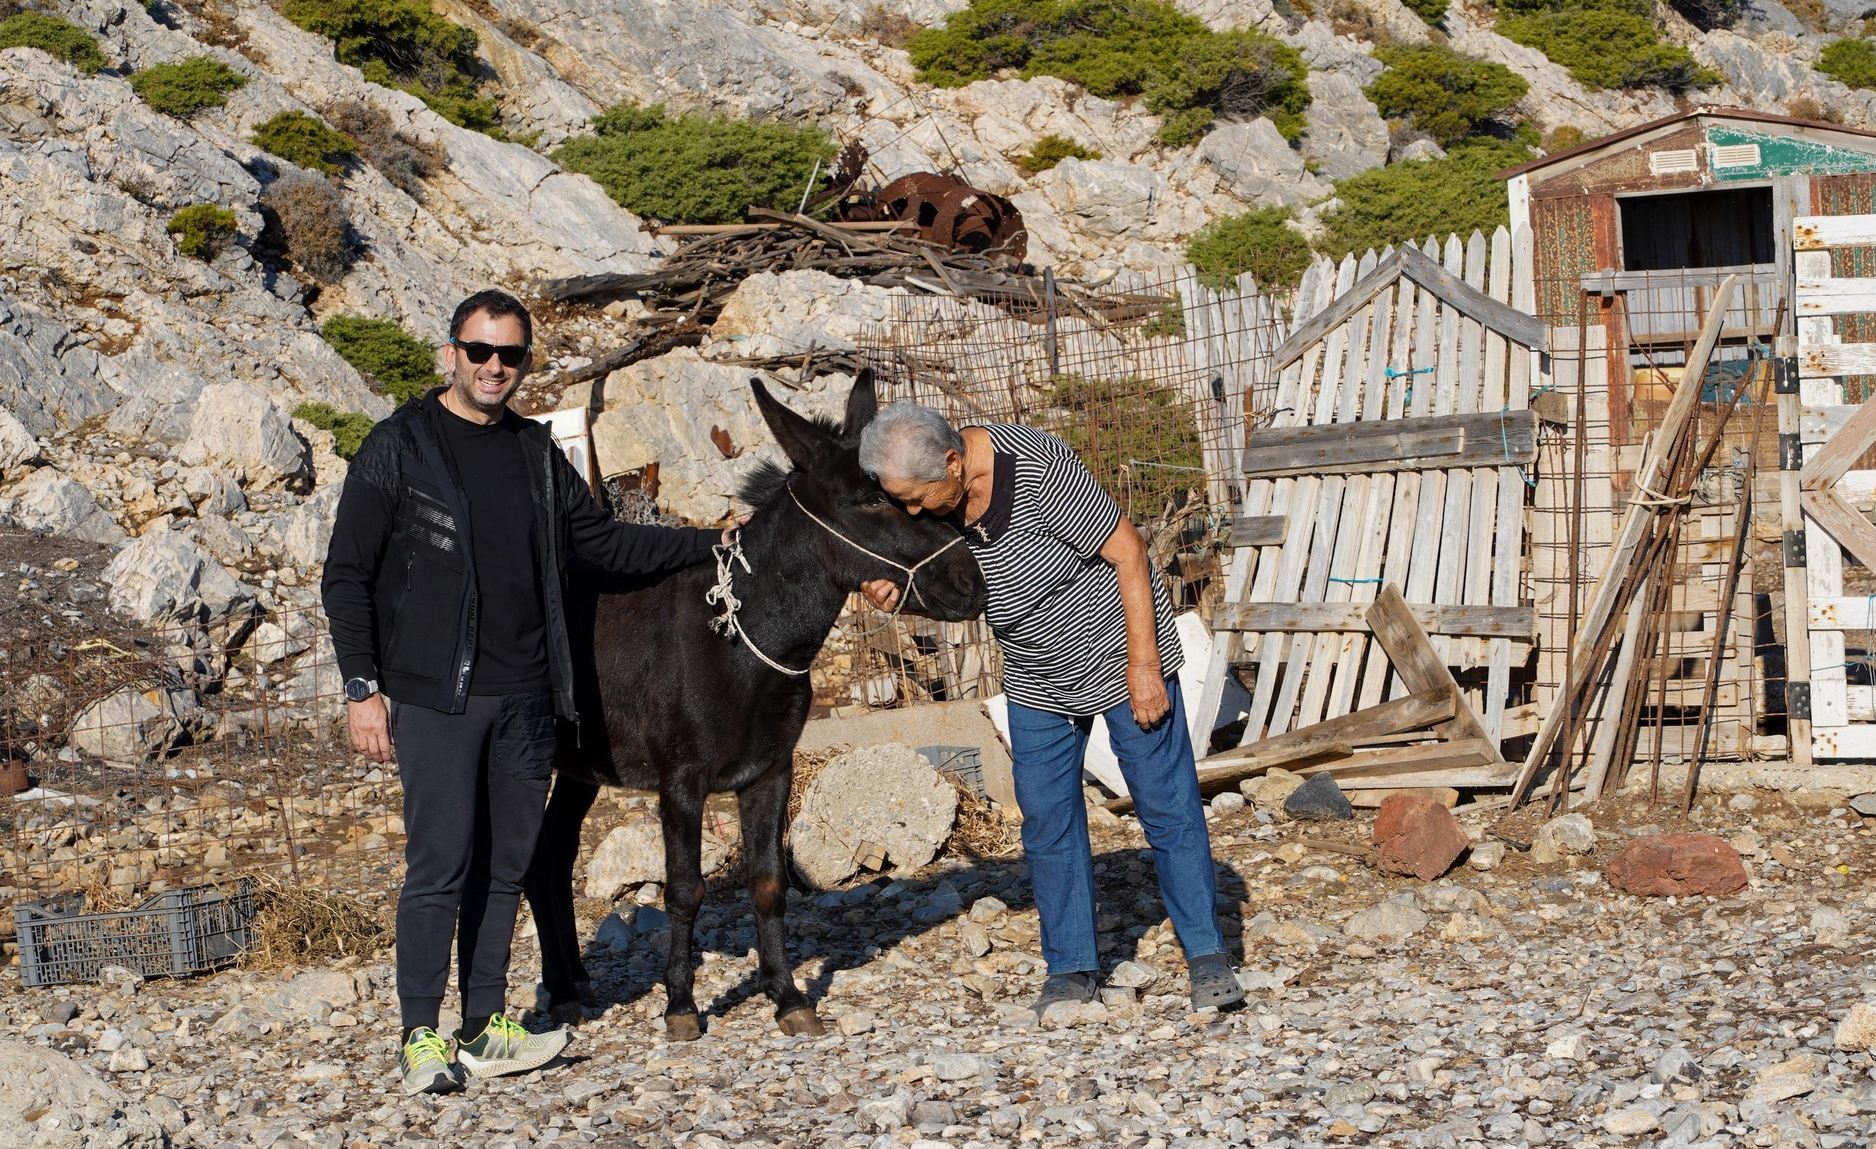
(318, 1071)
(580, 1094)
(1569, 1047)
(1318, 800)
(933, 1112)
(1486, 856)
(1677, 865)
(988, 910)
(1349, 1093)
(60, 1010)
(1229, 802)
(1857, 1029)
(1781, 1088)
(1561, 837)
(1629, 1122)
(1387, 920)
(110, 1041)
(976, 939)
(1135, 975)
(1417, 835)
(961, 1067)
(1742, 802)
(1677, 1065)
(884, 1114)
(1271, 789)
(614, 933)
(855, 1022)
(1864, 804)
(1119, 996)
(129, 1059)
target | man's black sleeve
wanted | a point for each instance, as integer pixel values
(628, 548)
(361, 528)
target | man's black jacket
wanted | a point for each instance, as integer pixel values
(400, 581)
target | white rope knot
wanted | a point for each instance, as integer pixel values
(723, 594)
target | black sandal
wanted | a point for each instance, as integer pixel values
(1214, 982)
(1077, 988)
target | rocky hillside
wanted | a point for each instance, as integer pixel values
(150, 371)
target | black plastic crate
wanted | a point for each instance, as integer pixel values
(964, 763)
(173, 933)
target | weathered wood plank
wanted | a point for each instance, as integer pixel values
(1823, 232)
(1844, 612)
(1420, 667)
(1844, 742)
(1414, 712)
(1824, 466)
(1851, 530)
(1518, 623)
(1474, 760)
(1833, 296)
(1480, 439)
(1258, 530)
(1521, 328)
(1837, 359)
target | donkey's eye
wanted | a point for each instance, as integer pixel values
(875, 499)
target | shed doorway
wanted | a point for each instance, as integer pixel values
(1729, 228)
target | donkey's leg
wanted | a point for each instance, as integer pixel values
(681, 812)
(549, 889)
(764, 811)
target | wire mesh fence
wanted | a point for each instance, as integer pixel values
(1151, 385)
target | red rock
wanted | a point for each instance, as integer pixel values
(1417, 835)
(1677, 864)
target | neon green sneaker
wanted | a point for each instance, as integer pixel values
(507, 1047)
(425, 1066)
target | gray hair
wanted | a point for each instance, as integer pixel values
(908, 442)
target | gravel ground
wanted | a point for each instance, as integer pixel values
(1530, 1005)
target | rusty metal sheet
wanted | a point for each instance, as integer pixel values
(946, 211)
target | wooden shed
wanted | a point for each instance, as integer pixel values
(1632, 232)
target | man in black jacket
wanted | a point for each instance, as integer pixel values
(445, 588)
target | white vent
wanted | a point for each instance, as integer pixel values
(1736, 156)
(1670, 163)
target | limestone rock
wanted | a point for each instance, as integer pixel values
(17, 445)
(1389, 920)
(634, 854)
(90, 1112)
(1258, 165)
(1105, 197)
(881, 796)
(1346, 134)
(51, 382)
(47, 501)
(165, 576)
(131, 724)
(304, 994)
(304, 532)
(1562, 837)
(1271, 789)
(1417, 835)
(786, 313)
(1678, 864)
(1856, 1031)
(237, 426)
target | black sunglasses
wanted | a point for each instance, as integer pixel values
(512, 353)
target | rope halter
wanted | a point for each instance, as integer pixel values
(723, 593)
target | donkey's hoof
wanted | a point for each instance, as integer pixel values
(567, 1013)
(801, 1023)
(682, 1027)
(583, 990)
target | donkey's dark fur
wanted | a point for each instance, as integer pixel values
(670, 705)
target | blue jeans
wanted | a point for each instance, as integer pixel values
(1047, 749)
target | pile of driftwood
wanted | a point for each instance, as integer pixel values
(712, 260)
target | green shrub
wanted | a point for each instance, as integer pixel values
(202, 230)
(1604, 43)
(402, 44)
(305, 140)
(1260, 242)
(185, 88)
(60, 38)
(306, 222)
(1186, 73)
(695, 169)
(1432, 11)
(1444, 94)
(1851, 62)
(1051, 150)
(348, 428)
(400, 159)
(1418, 198)
(1116, 424)
(400, 366)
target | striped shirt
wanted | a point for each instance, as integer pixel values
(1054, 601)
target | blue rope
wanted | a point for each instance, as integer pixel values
(1395, 373)
(1332, 578)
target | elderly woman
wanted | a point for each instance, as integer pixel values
(1086, 630)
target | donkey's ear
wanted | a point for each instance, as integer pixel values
(800, 439)
(862, 405)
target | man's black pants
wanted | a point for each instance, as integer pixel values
(475, 790)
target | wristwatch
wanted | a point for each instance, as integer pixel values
(359, 689)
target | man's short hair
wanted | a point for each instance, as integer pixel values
(496, 305)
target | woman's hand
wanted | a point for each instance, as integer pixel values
(1146, 690)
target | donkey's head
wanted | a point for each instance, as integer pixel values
(846, 515)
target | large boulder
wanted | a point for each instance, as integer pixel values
(131, 725)
(46, 500)
(1258, 165)
(786, 314)
(79, 1110)
(1417, 835)
(1105, 197)
(239, 427)
(164, 577)
(1678, 864)
(634, 854)
(1346, 134)
(51, 382)
(877, 798)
